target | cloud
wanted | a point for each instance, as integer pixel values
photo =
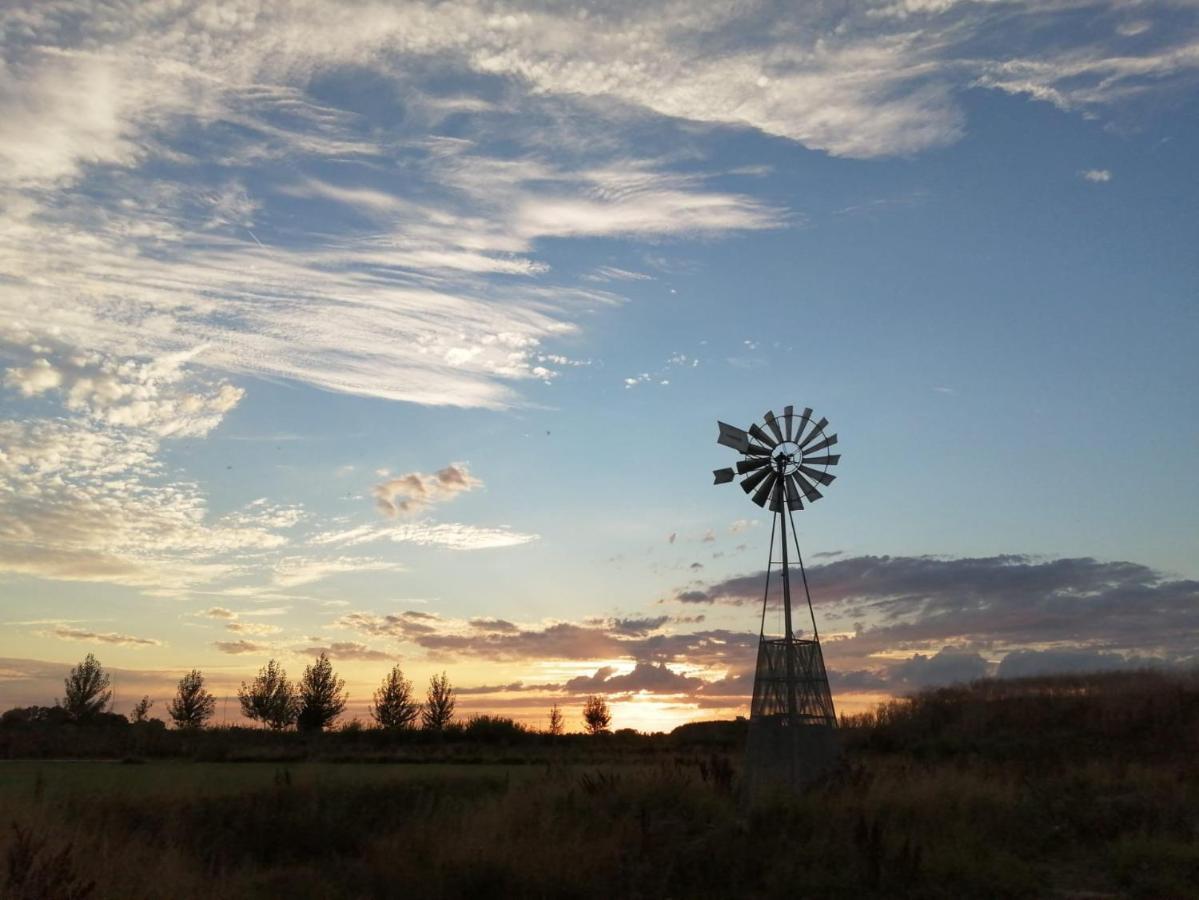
(452, 535)
(947, 666)
(256, 629)
(416, 491)
(219, 612)
(293, 571)
(87, 498)
(493, 625)
(239, 647)
(1027, 663)
(157, 395)
(349, 650)
(1097, 176)
(645, 677)
(67, 633)
(875, 608)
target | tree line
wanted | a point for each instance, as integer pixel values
(312, 703)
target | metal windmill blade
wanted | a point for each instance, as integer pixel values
(765, 489)
(731, 436)
(782, 459)
(816, 430)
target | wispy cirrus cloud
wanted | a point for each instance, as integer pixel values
(451, 535)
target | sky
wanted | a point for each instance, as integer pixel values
(400, 331)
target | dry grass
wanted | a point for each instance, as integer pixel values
(941, 797)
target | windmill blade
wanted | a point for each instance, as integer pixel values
(788, 415)
(794, 502)
(804, 419)
(823, 477)
(806, 487)
(732, 436)
(755, 479)
(776, 496)
(822, 461)
(755, 450)
(816, 429)
(773, 424)
(827, 442)
(762, 437)
(723, 476)
(748, 465)
(767, 486)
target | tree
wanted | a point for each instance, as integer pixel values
(439, 704)
(393, 705)
(270, 698)
(556, 724)
(87, 689)
(596, 714)
(192, 705)
(322, 695)
(141, 709)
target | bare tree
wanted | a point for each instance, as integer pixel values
(439, 704)
(141, 709)
(192, 705)
(88, 690)
(596, 714)
(394, 706)
(322, 695)
(557, 726)
(270, 698)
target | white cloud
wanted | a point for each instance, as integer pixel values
(128, 260)
(83, 501)
(1099, 176)
(157, 395)
(294, 570)
(452, 535)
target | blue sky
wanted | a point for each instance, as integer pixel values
(340, 328)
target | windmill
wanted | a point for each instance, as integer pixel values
(792, 724)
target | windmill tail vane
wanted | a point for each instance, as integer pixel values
(783, 461)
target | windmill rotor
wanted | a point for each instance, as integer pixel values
(781, 458)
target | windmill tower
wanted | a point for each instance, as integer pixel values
(792, 724)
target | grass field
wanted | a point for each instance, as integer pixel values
(944, 796)
(21, 780)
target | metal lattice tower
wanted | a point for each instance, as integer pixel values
(792, 725)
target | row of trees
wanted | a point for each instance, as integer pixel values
(311, 704)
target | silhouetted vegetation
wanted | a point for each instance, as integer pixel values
(321, 696)
(393, 705)
(191, 707)
(438, 710)
(141, 709)
(87, 690)
(1078, 786)
(556, 724)
(596, 715)
(270, 698)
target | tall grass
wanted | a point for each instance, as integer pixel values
(944, 795)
